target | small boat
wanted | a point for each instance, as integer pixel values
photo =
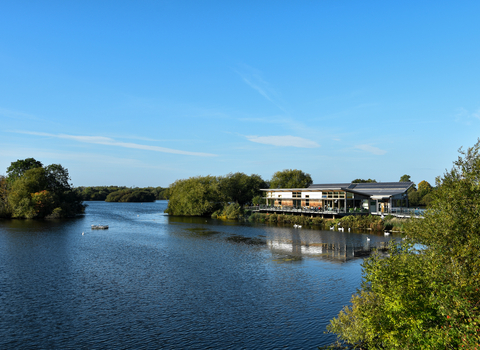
(99, 227)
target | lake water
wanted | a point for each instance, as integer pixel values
(156, 282)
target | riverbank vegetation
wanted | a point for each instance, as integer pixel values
(131, 195)
(360, 222)
(33, 191)
(206, 195)
(428, 297)
(100, 193)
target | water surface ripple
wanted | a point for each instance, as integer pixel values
(155, 282)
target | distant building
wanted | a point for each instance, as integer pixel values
(342, 197)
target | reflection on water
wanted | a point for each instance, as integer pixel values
(151, 281)
(338, 246)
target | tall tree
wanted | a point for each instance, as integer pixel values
(18, 168)
(290, 178)
(22, 194)
(405, 178)
(195, 196)
(35, 191)
(241, 188)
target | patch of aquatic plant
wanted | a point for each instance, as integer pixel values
(362, 222)
(246, 240)
(288, 258)
(286, 219)
(199, 231)
(371, 222)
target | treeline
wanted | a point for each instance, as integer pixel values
(224, 196)
(121, 194)
(426, 293)
(205, 195)
(31, 190)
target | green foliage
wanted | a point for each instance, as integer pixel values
(207, 195)
(357, 181)
(131, 195)
(231, 211)
(405, 178)
(21, 190)
(360, 222)
(34, 191)
(195, 196)
(257, 200)
(5, 211)
(97, 193)
(424, 186)
(425, 298)
(421, 196)
(290, 178)
(286, 219)
(18, 168)
(240, 188)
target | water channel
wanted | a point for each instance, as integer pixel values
(156, 282)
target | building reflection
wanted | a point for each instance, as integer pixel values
(332, 245)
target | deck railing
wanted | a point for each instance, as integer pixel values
(400, 212)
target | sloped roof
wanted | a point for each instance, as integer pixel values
(378, 189)
(369, 189)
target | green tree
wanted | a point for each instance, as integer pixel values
(358, 181)
(20, 193)
(405, 178)
(424, 187)
(4, 206)
(18, 168)
(428, 297)
(195, 196)
(240, 188)
(290, 178)
(35, 191)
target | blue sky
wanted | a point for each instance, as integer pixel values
(141, 93)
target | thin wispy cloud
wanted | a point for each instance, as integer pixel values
(8, 113)
(371, 149)
(101, 140)
(253, 78)
(466, 117)
(284, 141)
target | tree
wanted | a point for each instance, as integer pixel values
(290, 178)
(4, 207)
(18, 168)
(35, 191)
(21, 193)
(424, 187)
(359, 181)
(58, 179)
(405, 178)
(195, 196)
(425, 297)
(240, 188)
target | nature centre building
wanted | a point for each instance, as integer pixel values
(341, 198)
